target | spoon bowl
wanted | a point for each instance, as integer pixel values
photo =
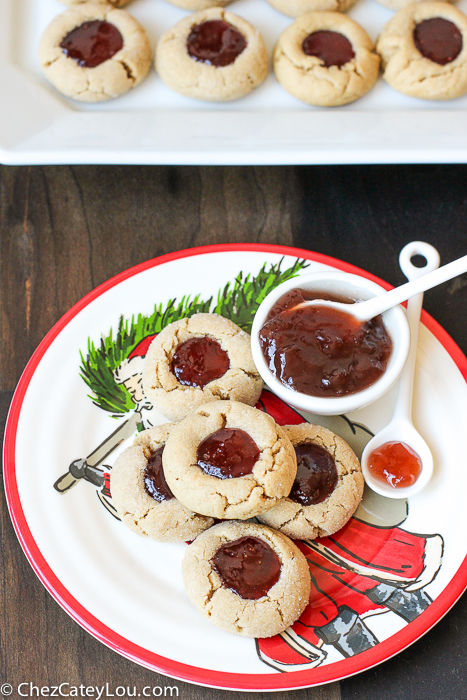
(398, 430)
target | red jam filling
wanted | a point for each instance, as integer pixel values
(249, 567)
(395, 464)
(438, 39)
(198, 361)
(316, 475)
(322, 351)
(333, 48)
(227, 454)
(154, 479)
(92, 43)
(215, 42)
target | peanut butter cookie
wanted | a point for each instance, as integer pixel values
(199, 359)
(247, 579)
(112, 3)
(213, 55)
(229, 460)
(93, 52)
(197, 5)
(326, 59)
(327, 489)
(400, 4)
(141, 496)
(424, 51)
(297, 8)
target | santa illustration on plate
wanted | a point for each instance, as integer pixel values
(370, 567)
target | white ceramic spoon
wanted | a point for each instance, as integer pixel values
(365, 310)
(401, 428)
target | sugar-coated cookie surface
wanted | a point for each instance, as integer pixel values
(407, 70)
(320, 519)
(124, 70)
(197, 78)
(272, 613)
(271, 476)
(307, 77)
(240, 382)
(296, 8)
(166, 520)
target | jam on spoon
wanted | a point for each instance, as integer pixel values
(395, 464)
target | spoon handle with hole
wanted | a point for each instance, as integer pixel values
(378, 305)
(403, 408)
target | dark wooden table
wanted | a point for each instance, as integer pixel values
(64, 230)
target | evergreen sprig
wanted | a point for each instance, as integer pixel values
(238, 302)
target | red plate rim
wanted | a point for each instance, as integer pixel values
(218, 679)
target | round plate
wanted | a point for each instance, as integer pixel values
(377, 585)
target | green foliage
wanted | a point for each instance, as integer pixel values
(238, 302)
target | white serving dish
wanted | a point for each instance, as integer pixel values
(153, 125)
(345, 285)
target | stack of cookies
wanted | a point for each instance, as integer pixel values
(221, 459)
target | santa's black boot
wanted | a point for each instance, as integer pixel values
(406, 604)
(347, 633)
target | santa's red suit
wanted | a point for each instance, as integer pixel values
(361, 570)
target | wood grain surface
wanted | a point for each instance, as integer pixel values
(64, 230)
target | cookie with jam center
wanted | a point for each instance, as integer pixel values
(424, 51)
(112, 3)
(93, 52)
(142, 496)
(228, 460)
(200, 359)
(212, 55)
(325, 59)
(327, 489)
(197, 5)
(247, 579)
(397, 5)
(297, 8)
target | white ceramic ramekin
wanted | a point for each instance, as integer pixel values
(347, 285)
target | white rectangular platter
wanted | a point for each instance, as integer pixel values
(153, 125)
